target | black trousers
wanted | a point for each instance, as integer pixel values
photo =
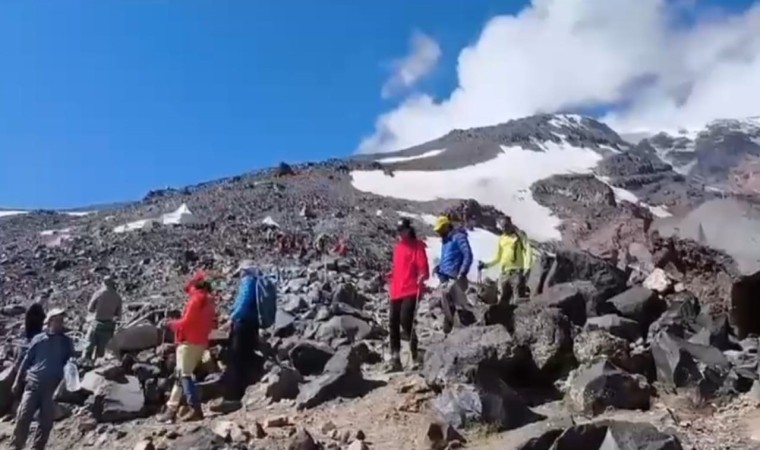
(241, 359)
(402, 320)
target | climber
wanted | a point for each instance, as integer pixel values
(455, 262)
(191, 334)
(39, 375)
(320, 244)
(243, 341)
(105, 306)
(407, 278)
(513, 256)
(34, 320)
(341, 248)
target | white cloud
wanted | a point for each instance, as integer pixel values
(424, 53)
(564, 54)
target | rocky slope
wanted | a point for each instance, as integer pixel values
(632, 337)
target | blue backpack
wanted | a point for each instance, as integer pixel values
(266, 299)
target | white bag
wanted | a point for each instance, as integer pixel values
(71, 376)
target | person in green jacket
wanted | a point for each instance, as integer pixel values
(514, 258)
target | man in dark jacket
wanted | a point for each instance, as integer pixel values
(244, 339)
(42, 372)
(452, 269)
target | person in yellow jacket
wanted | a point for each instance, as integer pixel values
(514, 257)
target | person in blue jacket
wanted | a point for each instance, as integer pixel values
(243, 340)
(452, 269)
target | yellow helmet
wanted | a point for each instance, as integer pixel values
(440, 223)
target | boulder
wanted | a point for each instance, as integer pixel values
(347, 327)
(683, 364)
(284, 324)
(488, 401)
(621, 327)
(634, 436)
(548, 334)
(587, 437)
(602, 385)
(135, 338)
(282, 383)
(114, 400)
(573, 265)
(302, 440)
(466, 350)
(570, 298)
(310, 357)
(342, 377)
(594, 346)
(347, 293)
(200, 438)
(637, 303)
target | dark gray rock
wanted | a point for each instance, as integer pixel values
(572, 299)
(488, 401)
(200, 438)
(548, 334)
(347, 293)
(342, 377)
(595, 388)
(346, 327)
(282, 383)
(683, 364)
(621, 327)
(303, 440)
(466, 350)
(635, 436)
(637, 303)
(284, 325)
(310, 357)
(572, 265)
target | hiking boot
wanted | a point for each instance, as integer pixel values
(226, 407)
(169, 416)
(194, 415)
(394, 365)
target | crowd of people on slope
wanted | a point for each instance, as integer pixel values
(40, 371)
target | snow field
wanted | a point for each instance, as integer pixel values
(503, 182)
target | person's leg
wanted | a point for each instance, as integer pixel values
(394, 324)
(408, 310)
(92, 335)
(105, 333)
(44, 418)
(192, 357)
(26, 409)
(505, 289)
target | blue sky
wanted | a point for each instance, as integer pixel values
(101, 101)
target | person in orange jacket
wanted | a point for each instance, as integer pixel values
(191, 334)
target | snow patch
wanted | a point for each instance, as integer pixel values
(624, 194)
(398, 159)
(503, 182)
(79, 213)
(55, 232)
(12, 213)
(180, 216)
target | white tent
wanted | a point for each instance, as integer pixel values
(181, 216)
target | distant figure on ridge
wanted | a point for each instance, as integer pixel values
(105, 307)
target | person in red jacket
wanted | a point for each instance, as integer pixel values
(191, 334)
(407, 278)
